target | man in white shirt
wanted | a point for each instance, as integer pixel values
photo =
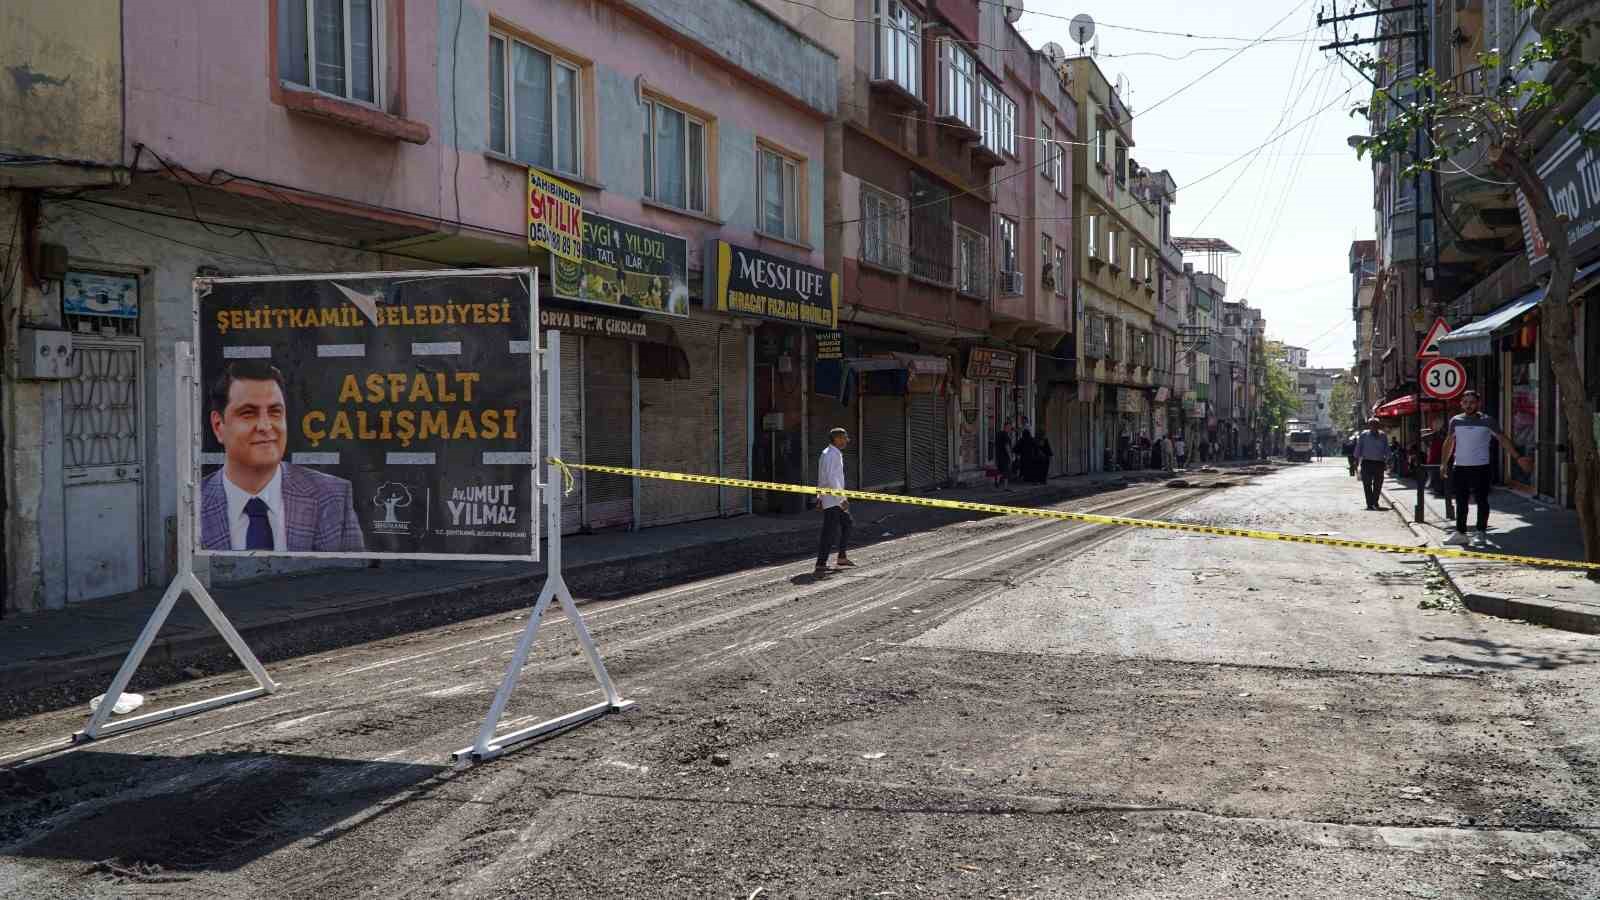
(836, 521)
(1466, 451)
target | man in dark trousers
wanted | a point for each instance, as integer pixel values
(836, 521)
(1372, 453)
(1466, 462)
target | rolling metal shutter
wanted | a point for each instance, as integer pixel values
(825, 414)
(941, 437)
(735, 418)
(571, 426)
(883, 442)
(926, 439)
(608, 431)
(678, 432)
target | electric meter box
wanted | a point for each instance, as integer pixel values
(44, 355)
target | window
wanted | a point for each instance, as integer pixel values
(1094, 237)
(674, 157)
(897, 54)
(998, 118)
(1047, 272)
(881, 217)
(1006, 229)
(332, 46)
(778, 182)
(932, 232)
(1052, 156)
(1122, 163)
(533, 106)
(1146, 268)
(958, 80)
(1061, 271)
(972, 262)
(1111, 248)
(1094, 338)
(1099, 142)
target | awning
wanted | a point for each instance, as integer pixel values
(924, 365)
(1477, 338)
(1400, 407)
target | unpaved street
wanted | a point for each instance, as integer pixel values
(996, 708)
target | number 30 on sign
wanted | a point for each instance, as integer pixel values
(1443, 378)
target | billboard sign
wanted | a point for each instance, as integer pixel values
(748, 282)
(376, 414)
(627, 266)
(555, 216)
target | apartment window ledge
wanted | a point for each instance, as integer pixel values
(353, 115)
(894, 91)
(568, 177)
(778, 238)
(946, 285)
(680, 211)
(879, 267)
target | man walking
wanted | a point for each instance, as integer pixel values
(1182, 451)
(1372, 453)
(1465, 462)
(836, 521)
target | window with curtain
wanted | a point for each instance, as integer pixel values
(897, 53)
(992, 115)
(881, 216)
(332, 46)
(1006, 235)
(534, 106)
(959, 80)
(1061, 269)
(1094, 236)
(778, 183)
(674, 157)
(972, 262)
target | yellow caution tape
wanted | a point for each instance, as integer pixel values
(1063, 515)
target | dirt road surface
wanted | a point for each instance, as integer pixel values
(998, 708)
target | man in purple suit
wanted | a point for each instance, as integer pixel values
(256, 501)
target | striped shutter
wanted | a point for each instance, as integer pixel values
(678, 432)
(926, 440)
(941, 438)
(608, 430)
(735, 418)
(571, 426)
(825, 414)
(883, 442)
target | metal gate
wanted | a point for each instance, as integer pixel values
(102, 458)
(928, 438)
(883, 442)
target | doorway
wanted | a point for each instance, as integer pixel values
(103, 476)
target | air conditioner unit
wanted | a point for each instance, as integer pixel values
(1010, 282)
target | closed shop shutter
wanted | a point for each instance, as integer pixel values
(678, 432)
(571, 427)
(925, 441)
(608, 431)
(825, 414)
(941, 438)
(883, 442)
(735, 418)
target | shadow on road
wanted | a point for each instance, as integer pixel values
(1498, 656)
(147, 818)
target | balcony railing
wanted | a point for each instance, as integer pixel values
(937, 268)
(881, 253)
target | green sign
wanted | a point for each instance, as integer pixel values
(628, 266)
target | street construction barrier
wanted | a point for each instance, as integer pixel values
(1066, 516)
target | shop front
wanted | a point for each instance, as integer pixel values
(989, 388)
(792, 311)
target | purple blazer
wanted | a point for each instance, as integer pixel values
(319, 513)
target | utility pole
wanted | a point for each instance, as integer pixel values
(1422, 143)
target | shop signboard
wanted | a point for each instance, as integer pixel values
(555, 216)
(747, 282)
(991, 364)
(1571, 173)
(626, 266)
(830, 345)
(582, 321)
(374, 414)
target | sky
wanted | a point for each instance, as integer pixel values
(1293, 208)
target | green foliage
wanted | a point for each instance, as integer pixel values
(1280, 397)
(1342, 404)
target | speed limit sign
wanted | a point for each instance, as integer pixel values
(1443, 378)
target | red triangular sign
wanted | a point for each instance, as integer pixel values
(1430, 343)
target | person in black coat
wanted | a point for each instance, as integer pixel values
(1002, 456)
(1039, 471)
(1025, 451)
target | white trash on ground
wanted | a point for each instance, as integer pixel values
(125, 704)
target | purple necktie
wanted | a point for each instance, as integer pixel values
(259, 535)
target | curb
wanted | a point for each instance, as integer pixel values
(1550, 613)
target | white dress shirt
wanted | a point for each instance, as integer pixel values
(830, 474)
(239, 520)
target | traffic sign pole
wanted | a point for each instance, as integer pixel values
(1427, 351)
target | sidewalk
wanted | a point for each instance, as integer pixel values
(1518, 525)
(286, 615)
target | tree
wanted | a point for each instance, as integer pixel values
(1549, 74)
(1280, 396)
(1343, 404)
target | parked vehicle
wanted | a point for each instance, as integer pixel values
(1301, 446)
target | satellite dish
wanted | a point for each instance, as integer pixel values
(1054, 52)
(1013, 10)
(1082, 28)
